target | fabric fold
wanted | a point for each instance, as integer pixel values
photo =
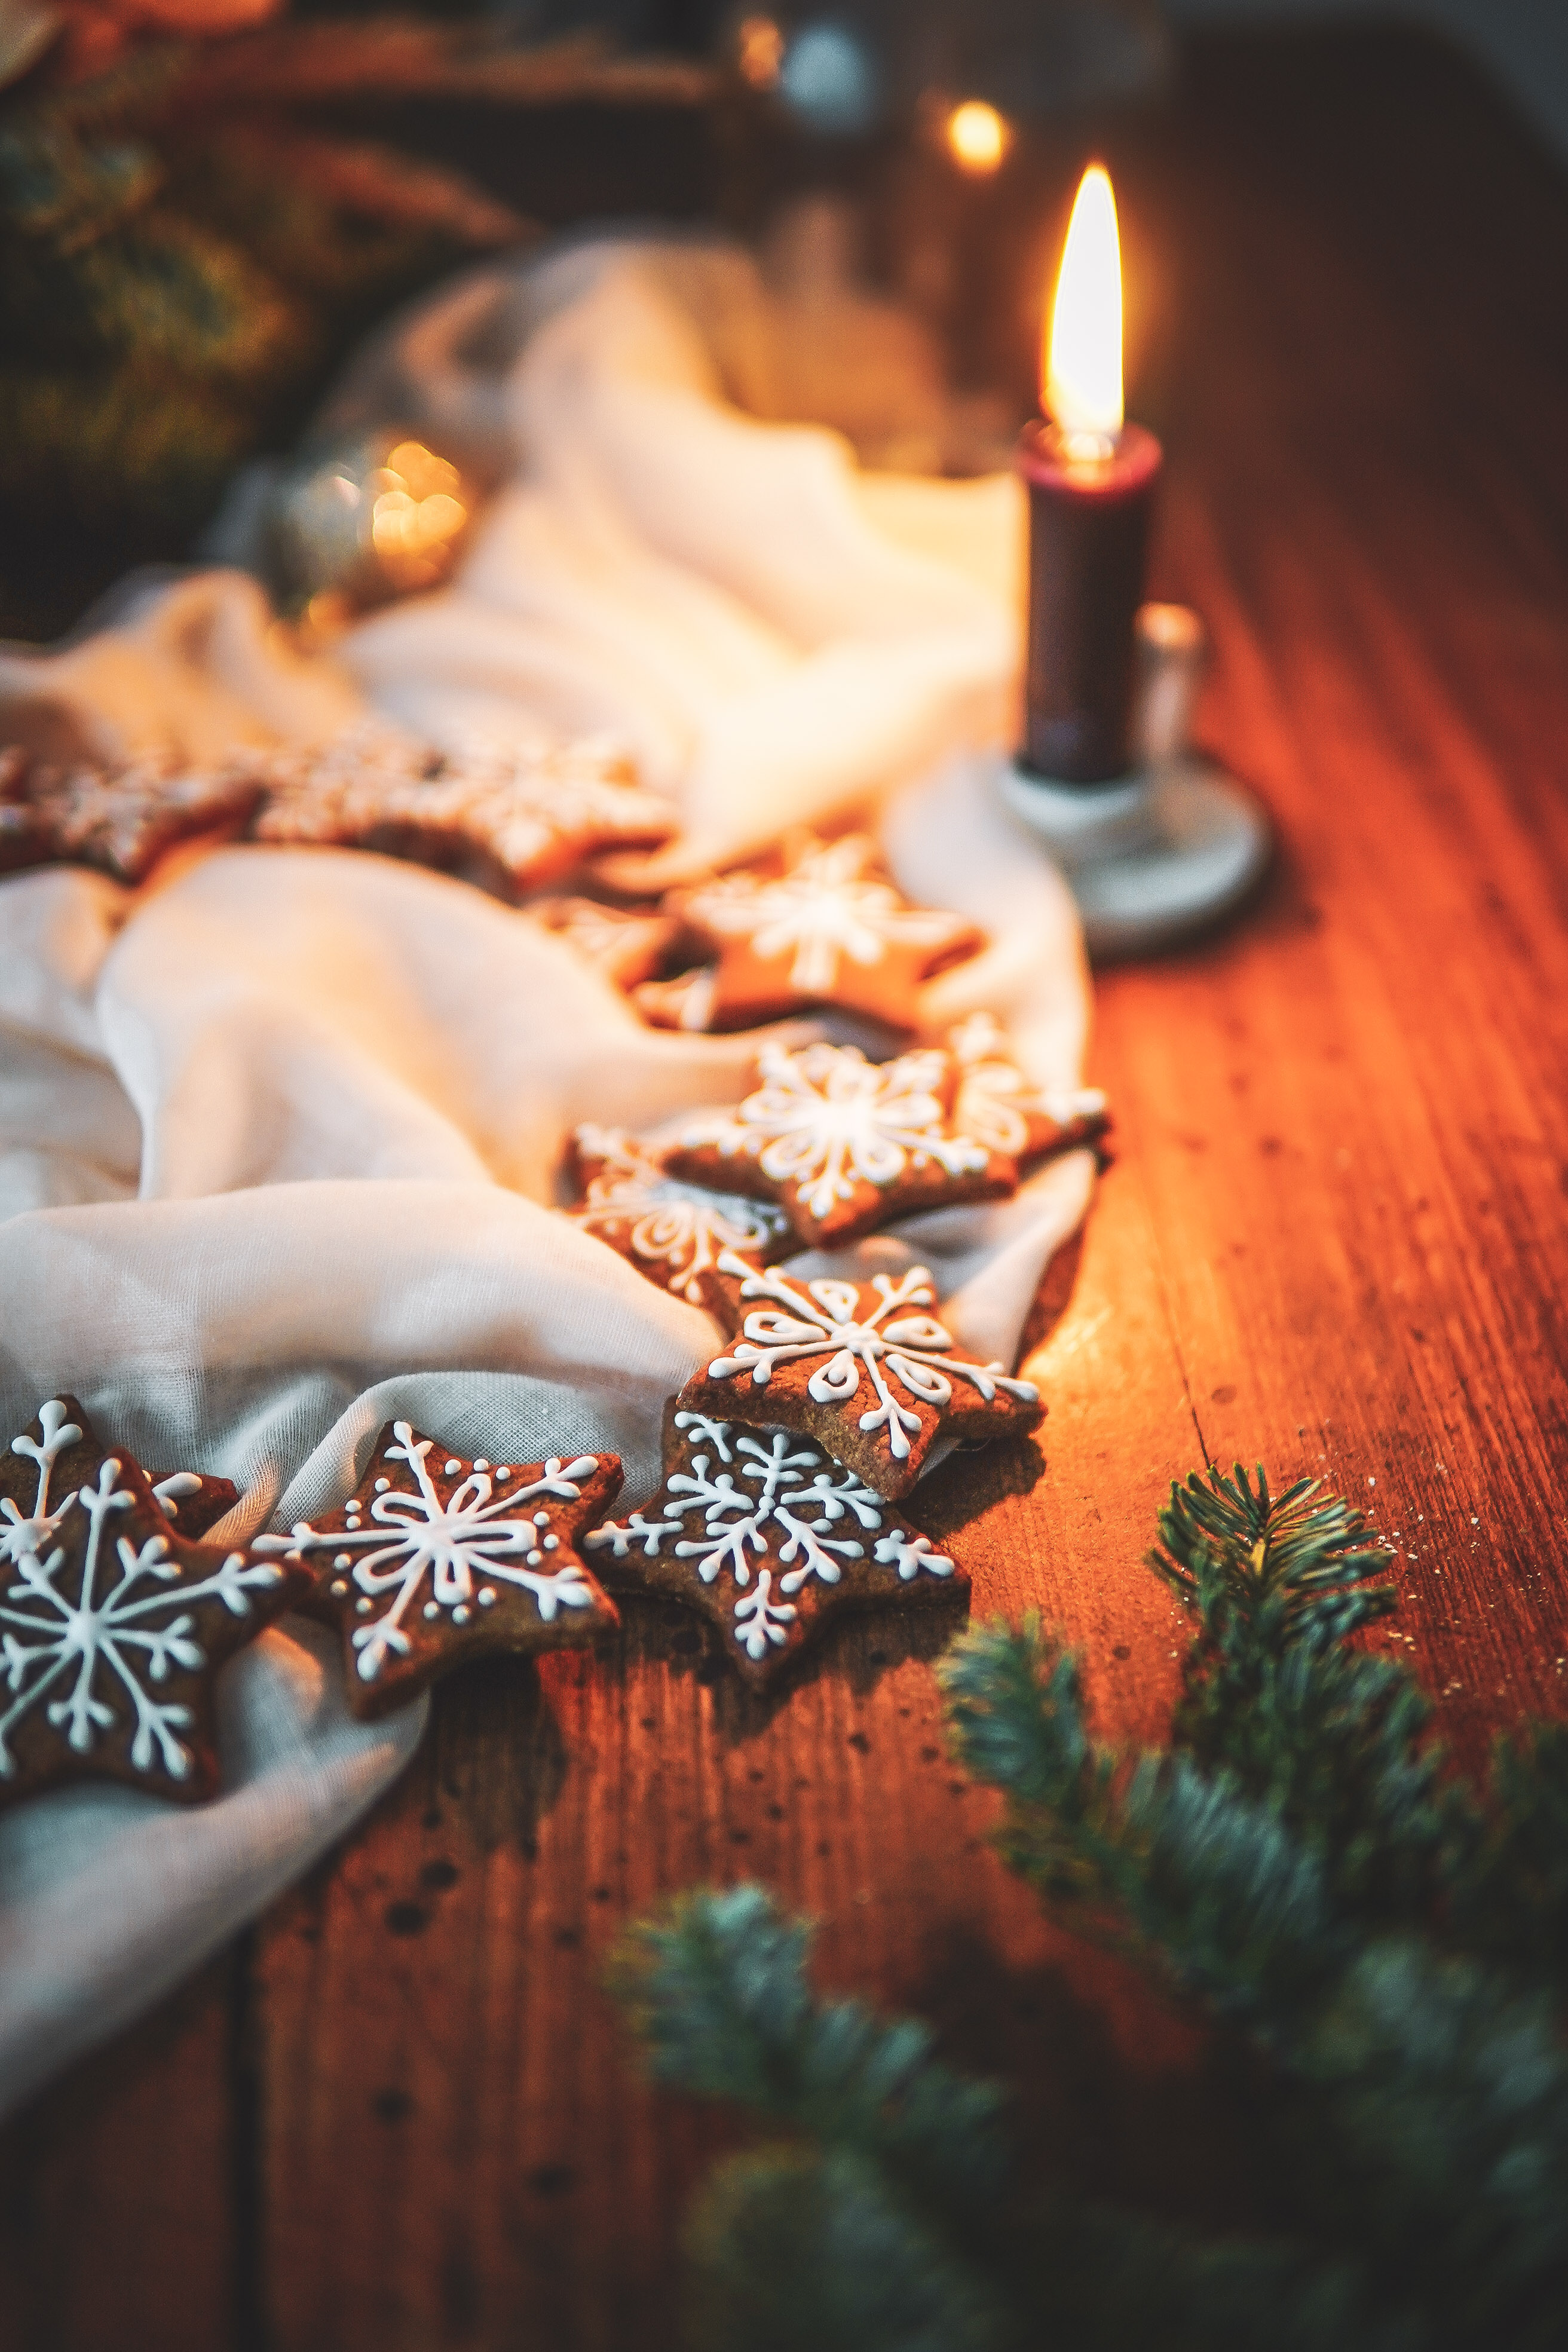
(281, 1132)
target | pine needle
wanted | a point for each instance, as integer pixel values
(1304, 1859)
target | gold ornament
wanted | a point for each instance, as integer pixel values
(358, 526)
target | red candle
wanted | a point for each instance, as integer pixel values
(1090, 479)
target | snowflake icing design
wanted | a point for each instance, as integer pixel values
(893, 1347)
(996, 1103)
(668, 1224)
(527, 804)
(131, 1635)
(459, 1545)
(827, 1121)
(822, 910)
(756, 1495)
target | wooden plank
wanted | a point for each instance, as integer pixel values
(1356, 1183)
(117, 2190)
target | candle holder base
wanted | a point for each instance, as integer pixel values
(1151, 857)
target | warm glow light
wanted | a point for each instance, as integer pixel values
(977, 137)
(1082, 372)
(759, 51)
(415, 519)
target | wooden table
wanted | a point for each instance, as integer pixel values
(398, 2115)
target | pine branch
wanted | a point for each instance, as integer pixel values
(373, 183)
(717, 1991)
(1304, 1860)
(378, 57)
(891, 2221)
(791, 2247)
(1506, 1870)
(1331, 1740)
(1289, 1569)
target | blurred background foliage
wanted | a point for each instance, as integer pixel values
(205, 204)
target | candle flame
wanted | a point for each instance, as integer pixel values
(978, 138)
(1082, 370)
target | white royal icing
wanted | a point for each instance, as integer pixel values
(169, 1492)
(458, 1544)
(526, 803)
(890, 1347)
(133, 1635)
(790, 1495)
(996, 1101)
(672, 1225)
(826, 1120)
(822, 910)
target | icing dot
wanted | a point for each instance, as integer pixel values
(342, 1561)
(480, 1464)
(503, 1473)
(363, 1607)
(542, 1519)
(534, 1557)
(382, 1485)
(487, 1596)
(431, 1610)
(552, 1543)
(460, 1614)
(453, 1468)
(340, 1585)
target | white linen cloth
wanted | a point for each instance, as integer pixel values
(280, 1133)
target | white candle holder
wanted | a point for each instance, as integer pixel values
(1156, 855)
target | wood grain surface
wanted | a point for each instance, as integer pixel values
(400, 2114)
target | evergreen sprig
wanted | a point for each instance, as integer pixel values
(190, 237)
(1304, 1858)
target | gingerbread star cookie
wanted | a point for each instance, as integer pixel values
(764, 1533)
(842, 1144)
(629, 949)
(827, 930)
(684, 1002)
(121, 820)
(672, 1232)
(866, 1368)
(523, 816)
(113, 1626)
(998, 1107)
(434, 1560)
(191, 1501)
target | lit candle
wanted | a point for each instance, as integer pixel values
(1091, 478)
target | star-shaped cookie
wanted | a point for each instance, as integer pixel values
(996, 1104)
(672, 1232)
(434, 1560)
(842, 1144)
(866, 1368)
(191, 1501)
(684, 1002)
(523, 814)
(629, 949)
(767, 1535)
(121, 820)
(829, 929)
(113, 1626)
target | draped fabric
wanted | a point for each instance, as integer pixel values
(280, 1132)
